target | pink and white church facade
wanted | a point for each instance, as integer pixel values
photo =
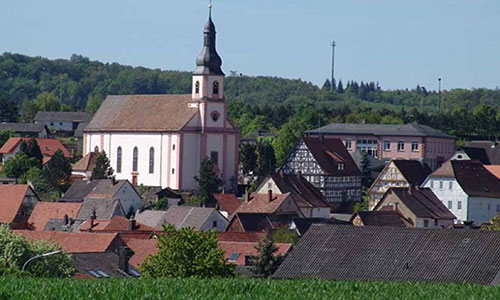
(160, 140)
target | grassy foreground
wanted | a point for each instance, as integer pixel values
(231, 289)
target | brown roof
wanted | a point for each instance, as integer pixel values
(473, 177)
(227, 202)
(142, 249)
(381, 218)
(259, 203)
(328, 152)
(142, 113)
(47, 146)
(11, 199)
(422, 202)
(73, 242)
(229, 236)
(86, 163)
(248, 249)
(117, 224)
(414, 171)
(44, 211)
(252, 222)
(302, 191)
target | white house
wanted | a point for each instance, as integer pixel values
(160, 140)
(467, 189)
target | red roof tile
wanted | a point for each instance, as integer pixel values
(259, 203)
(117, 224)
(12, 196)
(47, 146)
(44, 211)
(494, 169)
(142, 249)
(248, 249)
(229, 236)
(227, 202)
(76, 242)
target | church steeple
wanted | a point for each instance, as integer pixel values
(208, 61)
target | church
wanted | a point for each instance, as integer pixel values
(160, 140)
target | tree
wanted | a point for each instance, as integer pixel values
(160, 204)
(366, 178)
(327, 85)
(8, 111)
(266, 161)
(340, 87)
(102, 169)
(57, 172)
(47, 102)
(184, 253)
(32, 149)
(93, 104)
(248, 158)
(208, 181)
(18, 165)
(285, 235)
(266, 263)
(5, 135)
(15, 250)
(28, 111)
(41, 186)
(493, 225)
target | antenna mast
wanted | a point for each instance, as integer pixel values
(333, 66)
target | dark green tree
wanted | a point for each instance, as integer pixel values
(266, 263)
(266, 160)
(32, 149)
(19, 165)
(248, 157)
(327, 85)
(102, 169)
(28, 111)
(208, 181)
(57, 172)
(5, 135)
(184, 253)
(8, 111)
(340, 87)
(366, 179)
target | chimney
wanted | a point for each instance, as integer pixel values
(132, 224)
(270, 194)
(66, 219)
(395, 206)
(124, 254)
(113, 180)
(92, 219)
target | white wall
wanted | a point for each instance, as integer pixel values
(58, 126)
(445, 194)
(482, 209)
(190, 159)
(128, 198)
(221, 222)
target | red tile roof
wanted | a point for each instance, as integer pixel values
(227, 202)
(229, 236)
(86, 163)
(259, 203)
(494, 169)
(44, 211)
(248, 249)
(76, 242)
(47, 146)
(117, 224)
(142, 249)
(11, 199)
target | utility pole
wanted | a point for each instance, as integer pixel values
(333, 65)
(439, 95)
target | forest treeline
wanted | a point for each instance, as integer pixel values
(29, 84)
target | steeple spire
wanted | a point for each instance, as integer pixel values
(208, 61)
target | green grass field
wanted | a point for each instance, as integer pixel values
(231, 289)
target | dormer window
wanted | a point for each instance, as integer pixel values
(215, 116)
(215, 88)
(340, 166)
(197, 87)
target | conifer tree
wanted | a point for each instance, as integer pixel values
(248, 157)
(266, 263)
(102, 169)
(366, 179)
(31, 149)
(266, 160)
(340, 87)
(57, 172)
(327, 85)
(208, 181)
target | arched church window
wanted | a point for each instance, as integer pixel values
(135, 159)
(119, 160)
(96, 149)
(215, 116)
(215, 88)
(151, 160)
(197, 87)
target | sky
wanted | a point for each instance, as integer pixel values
(399, 43)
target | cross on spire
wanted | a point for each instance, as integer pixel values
(210, 8)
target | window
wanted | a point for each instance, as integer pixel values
(151, 160)
(173, 171)
(51, 123)
(401, 146)
(450, 185)
(387, 146)
(119, 160)
(441, 185)
(197, 87)
(215, 116)
(214, 157)
(414, 146)
(489, 206)
(215, 88)
(450, 205)
(432, 184)
(233, 256)
(96, 149)
(173, 147)
(340, 166)
(348, 144)
(214, 224)
(60, 123)
(459, 205)
(135, 157)
(426, 223)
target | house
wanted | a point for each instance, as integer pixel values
(16, 202)
(327, 165)
(45, 211)
(397, 173)
(375, 165)
(102, 265)
(301, 225)
(62, 121)
(119, 194)
(127, 228)
(142, 250)
(78, 134)
(48, 148)
(83, 168)
(250, 222)
(76, 242)
(151, 194)
(226, 204)
(26, 129)
(467, 189)
(308, 202)
(231, 236)
(377, 253)
(379, 218)
(243, 253)
(386, 142)
(418, 206)
(493, 169)
(152, 218)
(199, 218)
(160, 140)
(487, 152)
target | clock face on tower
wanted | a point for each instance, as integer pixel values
(215, 115)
